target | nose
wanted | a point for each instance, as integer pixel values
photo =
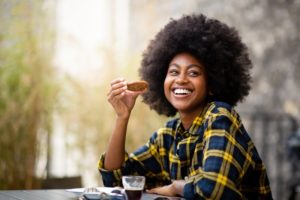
(181, 79)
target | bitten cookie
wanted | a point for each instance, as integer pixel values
(137, 86)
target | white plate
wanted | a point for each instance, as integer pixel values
(92, 196)
(75, 190)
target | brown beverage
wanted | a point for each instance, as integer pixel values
(134, 193)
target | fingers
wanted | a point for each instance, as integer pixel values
(118, 88)
(167, 190)
(151, 191)
(116, 81)
(158, 190)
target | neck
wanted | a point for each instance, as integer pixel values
(187, 118)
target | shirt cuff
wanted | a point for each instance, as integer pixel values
(188, 191)
(111, 178)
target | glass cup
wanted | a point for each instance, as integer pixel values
(133, 186)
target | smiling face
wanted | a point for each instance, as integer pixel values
(185, 84)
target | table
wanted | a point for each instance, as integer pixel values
(56, 194)
(37, 195)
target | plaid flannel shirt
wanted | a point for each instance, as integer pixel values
(215, 155)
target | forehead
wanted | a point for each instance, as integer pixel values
(184, 60)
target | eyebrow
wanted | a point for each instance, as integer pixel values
(189, 66)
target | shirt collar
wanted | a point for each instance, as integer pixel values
(194, 128)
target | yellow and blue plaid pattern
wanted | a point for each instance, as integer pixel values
(216, 157)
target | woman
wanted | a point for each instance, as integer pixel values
(197, 68)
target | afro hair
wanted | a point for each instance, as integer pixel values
(217, 46)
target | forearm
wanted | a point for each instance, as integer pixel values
(178, 186)
(114, 156)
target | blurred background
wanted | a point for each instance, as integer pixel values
(57, 58)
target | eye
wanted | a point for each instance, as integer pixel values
(173, 72)
(194, 73)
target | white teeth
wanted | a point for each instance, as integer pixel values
(182, 91)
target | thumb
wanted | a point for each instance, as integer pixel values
(135, 94)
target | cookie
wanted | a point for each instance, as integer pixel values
(137, 86)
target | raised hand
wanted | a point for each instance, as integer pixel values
(121, 98)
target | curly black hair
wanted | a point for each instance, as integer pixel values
(217, 46)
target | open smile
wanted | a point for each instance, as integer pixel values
(182, 91)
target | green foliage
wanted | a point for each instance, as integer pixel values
(27, 90)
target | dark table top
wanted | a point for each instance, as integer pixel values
(37, 195)
(56, 194)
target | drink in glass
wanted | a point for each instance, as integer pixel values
(134, 186)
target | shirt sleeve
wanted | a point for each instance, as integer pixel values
(145, 161)
(110, 178)
(223, 160)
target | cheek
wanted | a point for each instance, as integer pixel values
(202, 85)
(167, 85)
